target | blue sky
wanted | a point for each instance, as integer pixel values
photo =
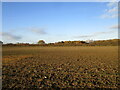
(58, 21)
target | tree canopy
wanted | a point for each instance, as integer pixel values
(41, 42)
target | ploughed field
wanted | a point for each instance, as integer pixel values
(60, 67)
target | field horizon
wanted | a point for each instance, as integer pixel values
(109, 42)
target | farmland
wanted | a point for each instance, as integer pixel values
(60, 67)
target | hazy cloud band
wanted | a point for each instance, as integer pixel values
(95, 34)
(10, 36)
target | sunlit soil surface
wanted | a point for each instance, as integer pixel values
(60, 67)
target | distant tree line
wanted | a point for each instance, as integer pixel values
(112, 42)
(1, 42)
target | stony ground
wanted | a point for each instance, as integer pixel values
(60, 67)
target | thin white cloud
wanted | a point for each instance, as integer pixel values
(112, 3)
(10, 36)
(112, 10)
(40, 31)
(84, 36)
(115, 27)
(96, 34)
(109, 16)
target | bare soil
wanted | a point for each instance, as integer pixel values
(60, 67)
